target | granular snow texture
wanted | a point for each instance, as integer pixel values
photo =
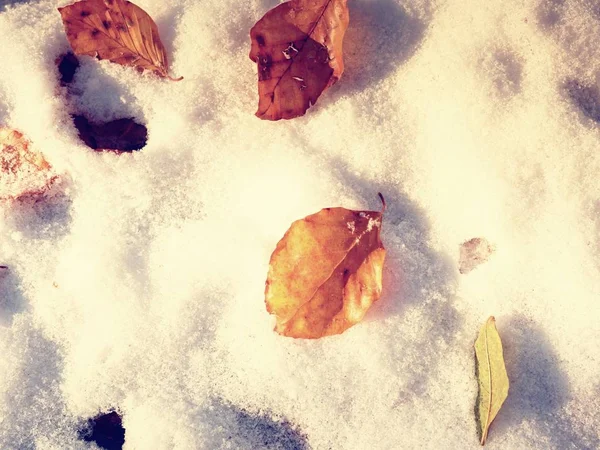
(138, 287)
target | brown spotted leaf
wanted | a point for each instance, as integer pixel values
(298, 49)
(23, 171)
(116, 30)
(326, 272)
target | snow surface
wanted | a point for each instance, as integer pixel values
(140, 287)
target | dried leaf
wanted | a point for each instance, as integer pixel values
(106, 430)
(326, 272)
(491, 375)
(116, 30)
(474, 252)
(298, 49)
(23, 172)
(67, 66)
(122, 135)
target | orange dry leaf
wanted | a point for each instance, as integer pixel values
(23, 172)
(298, 49)
(116, 30)
(326, 272)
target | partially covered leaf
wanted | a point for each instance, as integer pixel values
(298, 49)
(492, 376)
(122, 135)
(326, 272)
(67, 66)
(474, 252)
(23, 171)
(106, 430)
(116, 30)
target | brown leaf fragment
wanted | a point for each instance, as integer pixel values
(474, 252)
(116, 30)
(326, 272)
(23, 172)
(122, 135)
(298, 49)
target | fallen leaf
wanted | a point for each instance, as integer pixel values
(67, 66)
(474, 252)
(106, 430)
(491, 375)
(326, 272)
(23, 172)
(298, 49)
(116, 30)
(122, 135)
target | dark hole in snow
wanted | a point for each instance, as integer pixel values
(106, 430)
(67, 66)
(123, 135)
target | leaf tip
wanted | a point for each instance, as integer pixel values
(383, 204)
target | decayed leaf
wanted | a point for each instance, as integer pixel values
(326, 272)
(298, 49)
(123, 135)
(116, 30)
(474, 252)
(23, 172)
(67, 66)
(492, 377)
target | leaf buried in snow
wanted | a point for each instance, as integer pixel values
(122, 135)
(326, 272)
(474, 252)
(116, 30)
(298, 49)
(23, 172)
(491, 375)
(67, 66)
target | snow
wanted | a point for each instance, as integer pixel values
(140, 286)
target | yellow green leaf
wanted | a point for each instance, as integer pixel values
(491, 375)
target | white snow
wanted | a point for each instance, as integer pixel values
(140, 287)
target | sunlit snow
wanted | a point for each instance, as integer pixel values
(139, 286)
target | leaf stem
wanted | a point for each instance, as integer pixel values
(382, 202)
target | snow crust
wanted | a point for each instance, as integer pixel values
(140, 286)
